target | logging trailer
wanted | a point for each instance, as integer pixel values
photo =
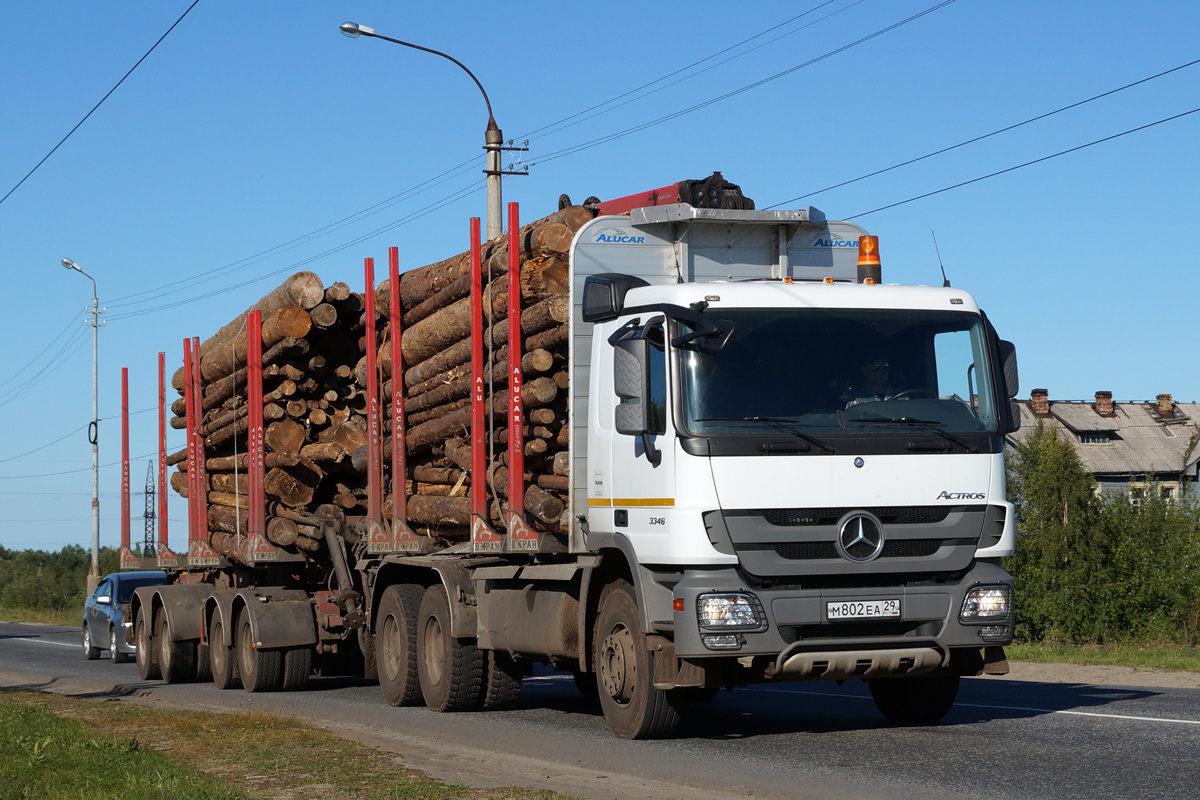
(768, 466)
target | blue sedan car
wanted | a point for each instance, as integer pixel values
(104, 613)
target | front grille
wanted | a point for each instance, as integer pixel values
(892, 548)
(888, 515)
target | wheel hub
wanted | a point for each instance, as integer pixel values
(616, 662)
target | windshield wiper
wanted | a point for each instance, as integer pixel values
(926, 425)
(782, 424)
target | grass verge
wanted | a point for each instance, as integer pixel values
(70, 619)
(1161, 657)
(57, 747)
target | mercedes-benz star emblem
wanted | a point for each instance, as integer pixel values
(860, 538)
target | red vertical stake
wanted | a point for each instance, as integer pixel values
(128, 559)
(190, 419)
(402, 537)
(520, 537)
(259, 549)
(165, 557)
(374, 421)
(124, 458)
(483, 538)
(201, 473)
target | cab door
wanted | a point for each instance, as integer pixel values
(643, 463)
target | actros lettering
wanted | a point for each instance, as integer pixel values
(962, 496)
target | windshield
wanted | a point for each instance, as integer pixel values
(830, 372)
(125, 587)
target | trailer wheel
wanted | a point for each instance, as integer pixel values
(223, 660)
(262, 670)
(117, 656)
(922, 700)
(501, 682)
(147, 659)
(396, 645)
(90, 651)
(632, 706)
(176, 660)
(203, 664)
(451, 670)
(297, 663)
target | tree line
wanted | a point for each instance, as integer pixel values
(38, 580)
(1107, 568)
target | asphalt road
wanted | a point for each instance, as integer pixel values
(1004, 739)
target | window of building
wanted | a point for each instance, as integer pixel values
(1095, 437)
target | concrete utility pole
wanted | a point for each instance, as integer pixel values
(93, 429)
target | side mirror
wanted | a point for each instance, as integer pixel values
(1008, 362)
(1014, 417)
(104, 600)
(604, 295)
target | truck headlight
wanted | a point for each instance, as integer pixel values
(985, 603)
(733, 611)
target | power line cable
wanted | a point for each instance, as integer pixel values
(67, 435)
(566, 122)
(713, 101)
(37, 358)
(444, 176)
(986, 135)
(102, 99)
(1028, 163)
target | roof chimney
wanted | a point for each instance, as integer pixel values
(1039, 401)
(1166, 409)
(1104, 404)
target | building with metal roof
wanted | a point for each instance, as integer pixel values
(1124, 445)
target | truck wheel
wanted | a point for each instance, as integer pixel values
(451, 670)
(396, 645)
(117, 656)
(176, 660)
(632, 706)
(90, 652)
(297, 663)
(914, 701)
(585, 682)
(501, 682)
(147, 659)
(203, 664)
(223, 660)
(262, 670)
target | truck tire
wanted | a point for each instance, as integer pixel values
(223, 662)
(297, 664)
(501, 682)
(176, 660)
(396, 645)
(632, 706)
(203, 664)
(261, 670)
(90, 651)
(922, 700)
(147, 659)
(117, 656)
(451, 670)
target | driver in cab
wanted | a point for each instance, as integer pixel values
(872, 384)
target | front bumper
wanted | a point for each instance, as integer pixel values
(803, 643)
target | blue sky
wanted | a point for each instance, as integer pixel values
(223, 161)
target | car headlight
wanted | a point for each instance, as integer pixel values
(986, 603)
(730, 611)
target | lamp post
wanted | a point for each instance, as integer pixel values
(93, 429)
(492, 137)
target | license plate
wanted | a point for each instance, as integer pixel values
(863, 609)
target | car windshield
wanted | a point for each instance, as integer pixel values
(126, 586)
(834, 372)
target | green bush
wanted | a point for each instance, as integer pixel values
(37, 580)
(1099, 569)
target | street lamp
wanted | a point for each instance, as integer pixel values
(492, 138)
(93, 430)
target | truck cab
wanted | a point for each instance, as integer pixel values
(804, 464)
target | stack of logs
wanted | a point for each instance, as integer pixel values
(314, 394)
